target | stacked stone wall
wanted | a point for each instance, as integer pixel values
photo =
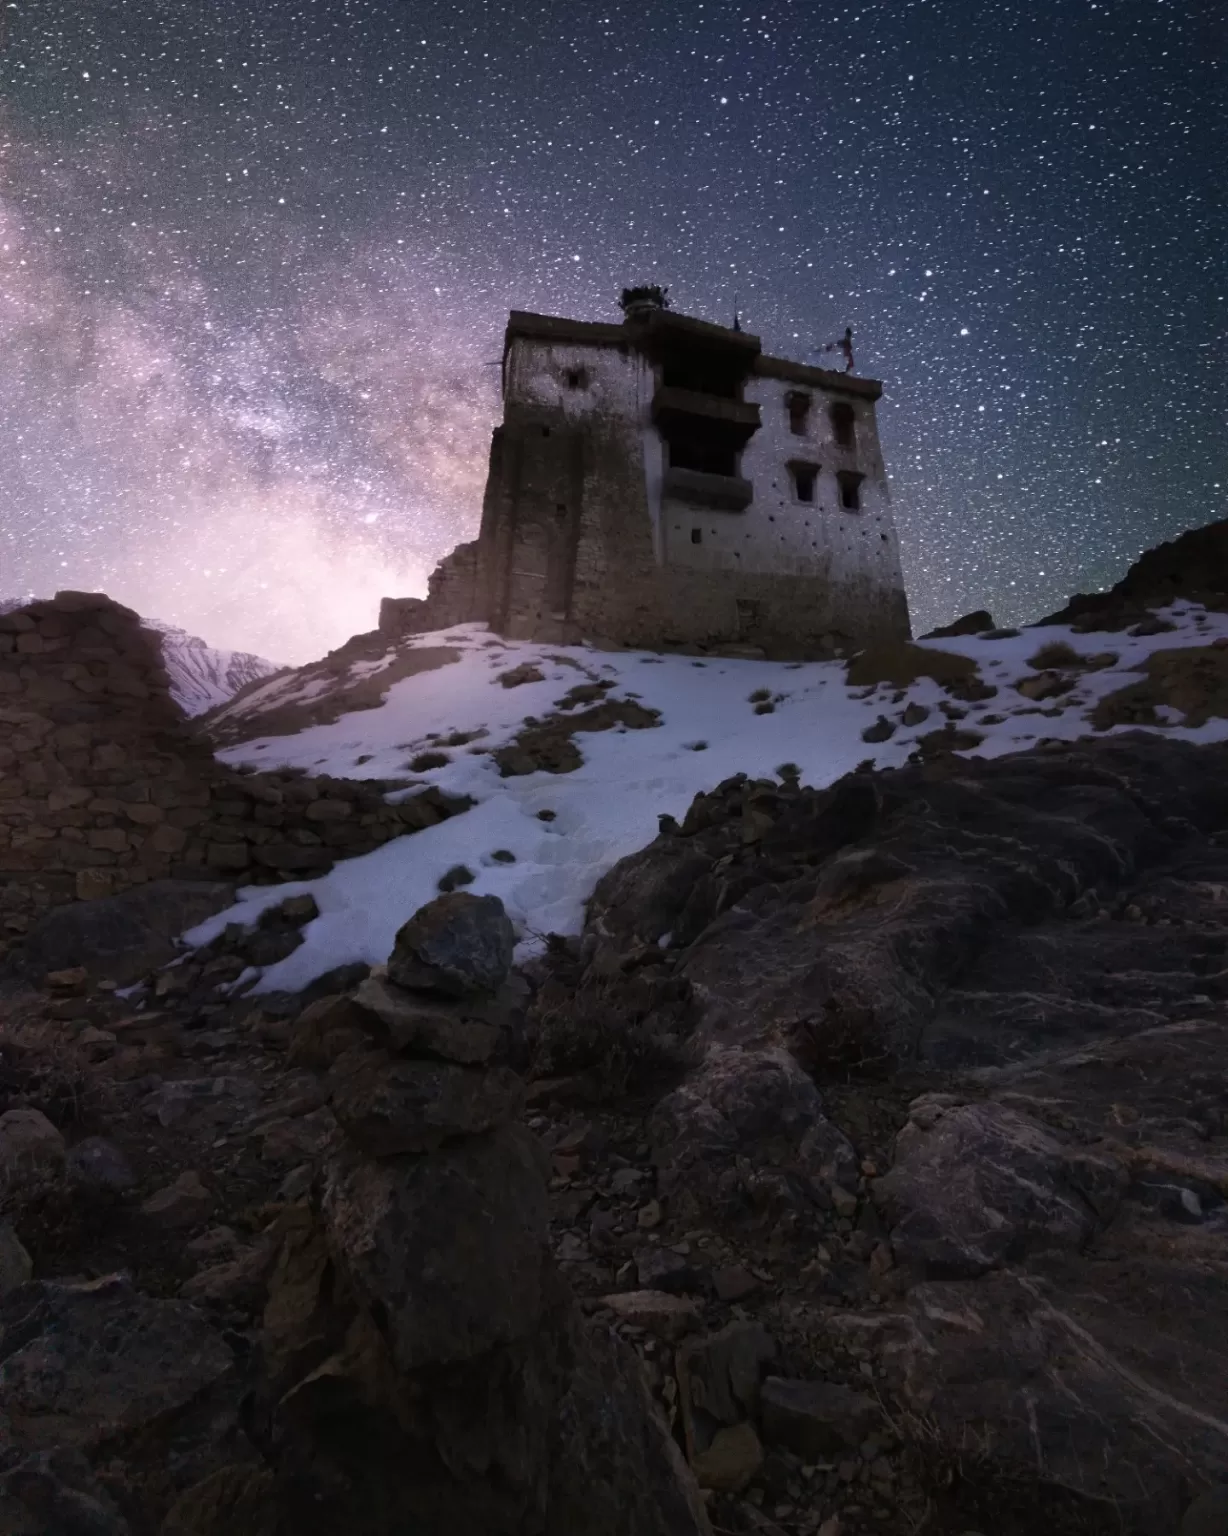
(104, 784)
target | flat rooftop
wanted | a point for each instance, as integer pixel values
(664, 326)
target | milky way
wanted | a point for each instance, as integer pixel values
(255, 261)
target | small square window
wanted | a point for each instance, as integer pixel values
(697, 535)
(577, 378)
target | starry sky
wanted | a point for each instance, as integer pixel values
(256, 257)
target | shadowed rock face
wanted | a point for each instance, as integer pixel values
(1193, 568)
(1042, 941)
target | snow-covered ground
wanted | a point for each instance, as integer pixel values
(608, 808)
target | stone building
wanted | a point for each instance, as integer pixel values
(663, 482)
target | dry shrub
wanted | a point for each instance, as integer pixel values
(1056, 653)
(625, 1032)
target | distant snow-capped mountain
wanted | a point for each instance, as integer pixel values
(201, 676)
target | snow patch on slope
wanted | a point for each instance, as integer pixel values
(609, 807)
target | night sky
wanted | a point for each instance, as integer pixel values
(256, 258)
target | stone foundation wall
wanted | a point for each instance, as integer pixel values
(104, 785)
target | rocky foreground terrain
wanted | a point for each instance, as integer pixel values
(902, 1170)
(860, 1169)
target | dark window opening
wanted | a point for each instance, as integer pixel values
(850, 491)
(804, 477)
(749, 613)
(545, 431)
(843, 425)
(698, 444)
(706, 372)
(577, 378)
(697, 535)
(797, 403)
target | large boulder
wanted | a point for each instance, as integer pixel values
(111, 1402)
(448, 1250)
(1034, 944)
(745, 1140)
(458, 945)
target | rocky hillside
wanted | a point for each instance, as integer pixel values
(757, 1098)
(1191, 568)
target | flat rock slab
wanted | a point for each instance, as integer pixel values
(84, 1361)
(431, 1028)
(389, 1106)
(1047, 1372)
(973, 1185)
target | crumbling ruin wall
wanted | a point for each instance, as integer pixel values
(104, 785)
(451, 598)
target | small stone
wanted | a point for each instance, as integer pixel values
(296, 1184)
(649, 1215)
(31, 1149)
(324, 1031)
(844, 1201)
(661, 1269)
(815, 1418)
(216, 1243)
(185, 1203)
(732, 1282)
(295, 909)
(882, 730)
(668, 1317)
(237, 1280)
(98, 1164)
(75, 979)
(16, 1265)
(731, 1461)
(67, 1009)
